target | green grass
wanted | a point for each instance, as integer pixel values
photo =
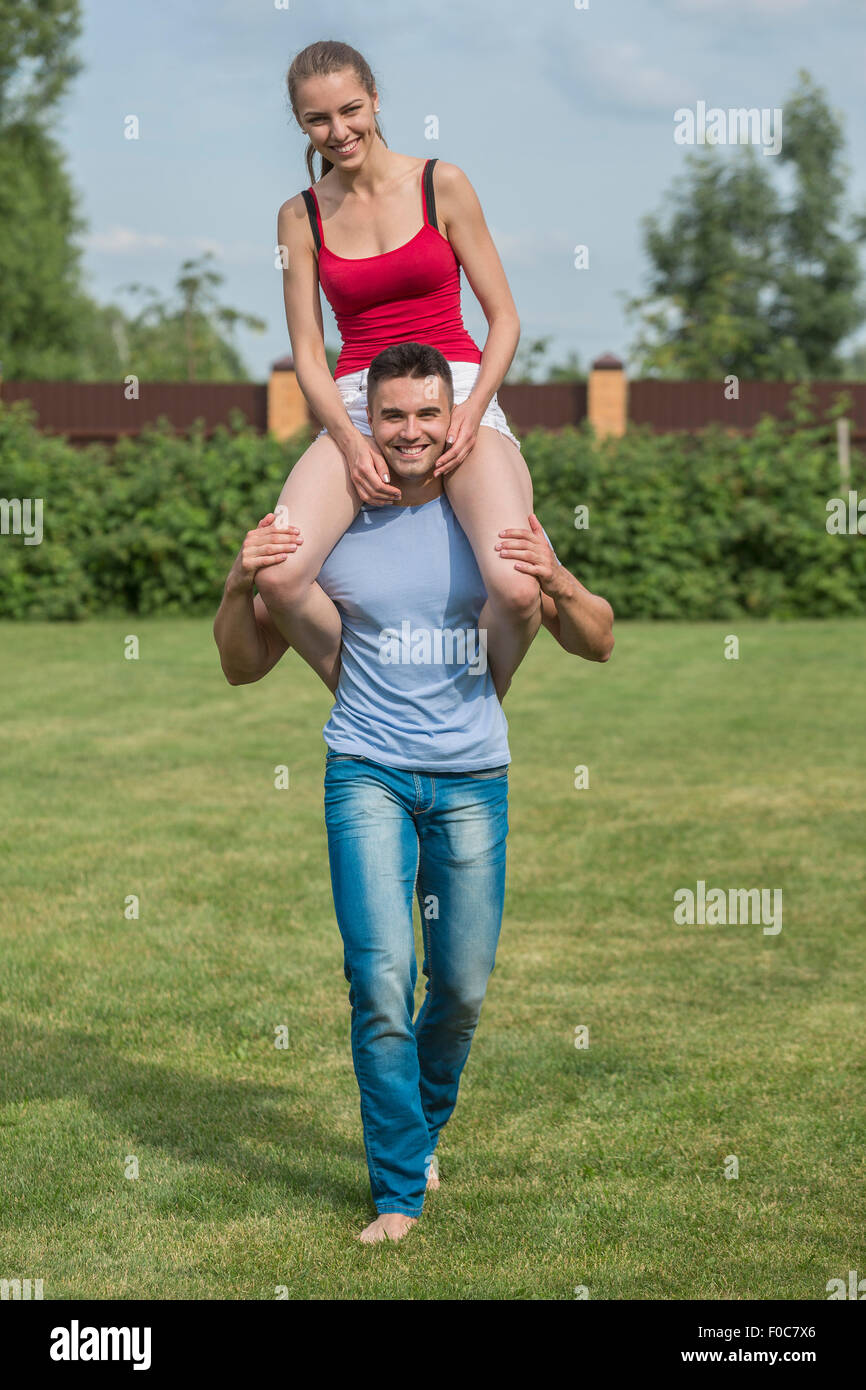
(561, 1167)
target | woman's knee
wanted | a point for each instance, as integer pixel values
(514, 591)
(285, 583)
(319, 499)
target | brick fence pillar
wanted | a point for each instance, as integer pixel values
(287, 406)
(607, 396)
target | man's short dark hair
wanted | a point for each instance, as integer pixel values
(409, 359)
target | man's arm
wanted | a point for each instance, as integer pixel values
(581, 622)
(249, 643)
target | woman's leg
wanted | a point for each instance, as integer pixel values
(492, 490)
(320, 499)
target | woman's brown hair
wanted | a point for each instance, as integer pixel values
(319, 60)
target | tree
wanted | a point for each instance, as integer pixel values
(818, 301)
(569, 370)
(191, 339)
(526, 360)
(854, 366)
(528, 364)
(40, 295)
(50, 328)
(103, 351)
(741, 283)
(704, 314)
(36, 59)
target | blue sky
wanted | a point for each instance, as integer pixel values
(562, 118)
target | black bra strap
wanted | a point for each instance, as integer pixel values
(429, 194)
(311, 213)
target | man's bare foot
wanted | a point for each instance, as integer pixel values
(432, 1173)
(391, 1225)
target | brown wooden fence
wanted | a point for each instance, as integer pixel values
(689, 405)
(91, 411)
(546, 407)
(87, 411)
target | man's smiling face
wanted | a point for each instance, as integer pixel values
(409, 420)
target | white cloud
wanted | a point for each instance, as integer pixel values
(514, 247)
(541, 247)
(723, 8)
(617, 74)
(119, 241)
(126, 241)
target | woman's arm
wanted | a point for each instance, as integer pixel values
(461, 219)
(303, 306)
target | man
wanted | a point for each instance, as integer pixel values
(416, 775)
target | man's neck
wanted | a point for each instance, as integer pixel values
(416, 491)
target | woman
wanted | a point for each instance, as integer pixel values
(356, 234)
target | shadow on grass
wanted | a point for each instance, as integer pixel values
(194, 1119)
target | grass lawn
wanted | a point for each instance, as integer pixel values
(602, 1167)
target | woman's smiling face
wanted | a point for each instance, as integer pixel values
(338, 116)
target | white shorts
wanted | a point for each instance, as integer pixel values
(353, 389)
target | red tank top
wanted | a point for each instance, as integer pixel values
(410, 294)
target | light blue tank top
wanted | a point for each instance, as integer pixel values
(415, 691)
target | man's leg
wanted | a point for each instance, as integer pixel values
(461, 893)
(373, 849)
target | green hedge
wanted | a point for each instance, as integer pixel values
(703, 526)
(680, 526)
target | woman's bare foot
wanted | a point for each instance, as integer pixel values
(391, 1225)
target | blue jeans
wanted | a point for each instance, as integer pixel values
(392, 833)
